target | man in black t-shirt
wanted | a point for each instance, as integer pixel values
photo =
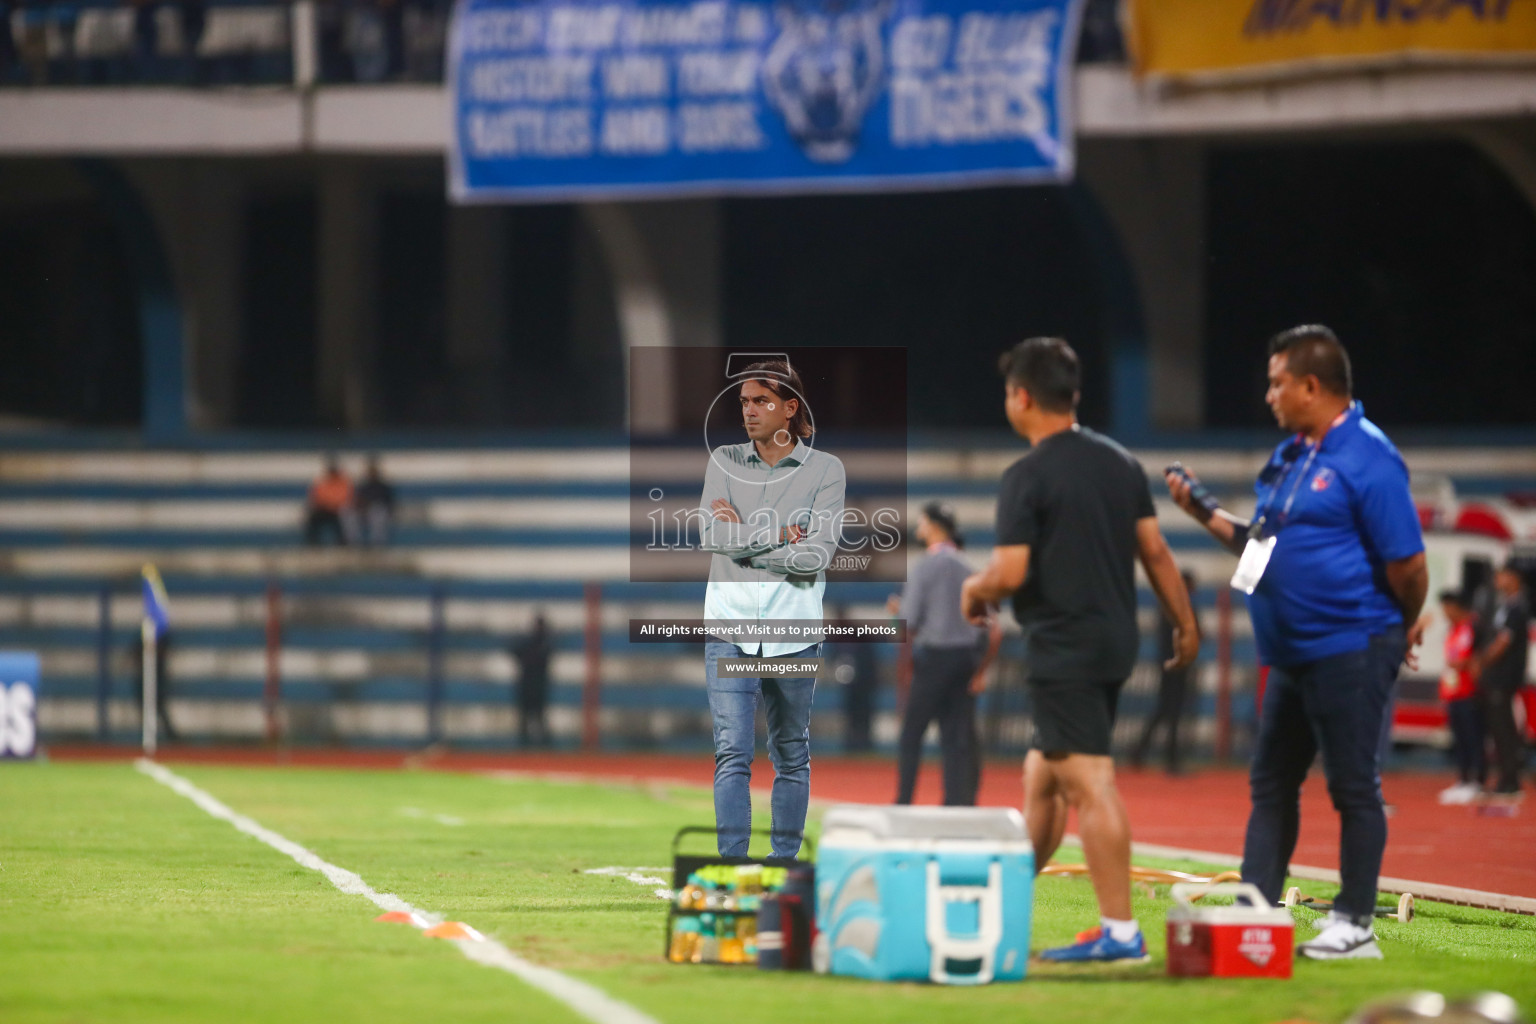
(1504, 663)
(1073, 516)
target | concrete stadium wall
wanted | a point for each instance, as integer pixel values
(643, 274)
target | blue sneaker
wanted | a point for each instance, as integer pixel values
(1098, 950)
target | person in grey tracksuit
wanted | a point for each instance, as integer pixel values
(949, 662)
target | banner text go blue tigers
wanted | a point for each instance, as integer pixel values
(588, 99)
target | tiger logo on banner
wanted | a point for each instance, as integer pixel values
(822, 74)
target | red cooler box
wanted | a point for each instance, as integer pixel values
(1249, 939)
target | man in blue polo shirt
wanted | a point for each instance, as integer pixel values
(1333, 565)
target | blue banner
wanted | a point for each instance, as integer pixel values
(595, 99)
(19, 681)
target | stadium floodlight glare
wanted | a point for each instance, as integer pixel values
(742, 360)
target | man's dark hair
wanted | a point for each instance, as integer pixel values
(1313, 350)
(1454, 597)
(779, 377)
(1048, 369)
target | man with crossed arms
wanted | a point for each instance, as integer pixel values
(772, 514)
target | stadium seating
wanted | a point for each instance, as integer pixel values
(408, 643)
(227, 42)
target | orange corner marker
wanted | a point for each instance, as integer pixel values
(453, 930)
(395, 917)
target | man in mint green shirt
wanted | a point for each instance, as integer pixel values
(772, 517)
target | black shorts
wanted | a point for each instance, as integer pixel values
(1074, 716)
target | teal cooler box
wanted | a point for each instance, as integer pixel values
(914, 893)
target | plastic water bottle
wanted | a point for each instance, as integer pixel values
(709, 944)
(746, 930)
(685, 940)
(770, 933)
(731, 949)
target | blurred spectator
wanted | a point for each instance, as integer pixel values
(330, 506)
(532, 654)
(375, 38)
(1101, 41)
(859, 698)
(33, 43)
(10, 57)
(950, 657)
(363, 38)
(1172, 696)
(162, 680)
(1503, 667)
(63, 62)
(375, 499)
(859, 676)
(330, 31)
(392, 13)
(425, 25)
(194, 21)
(1458, 688)
(146, 40)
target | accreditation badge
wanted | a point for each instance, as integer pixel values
(1250, 568)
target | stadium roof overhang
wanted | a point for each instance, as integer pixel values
(414, 120)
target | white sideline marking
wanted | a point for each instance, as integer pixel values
(1453, 894)
(441, 819)
(1396, 886)
(634, 875)
(588, 1001)
(630, 874)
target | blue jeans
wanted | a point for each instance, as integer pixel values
(733, 707)
(1334, 705)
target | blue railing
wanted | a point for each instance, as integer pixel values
(422, 669)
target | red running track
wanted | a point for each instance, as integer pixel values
(1205, 810)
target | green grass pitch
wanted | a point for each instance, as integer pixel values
(122, 901)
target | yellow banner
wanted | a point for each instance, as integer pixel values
(1200, 38)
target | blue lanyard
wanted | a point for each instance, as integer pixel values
(1257, 529)
(1285, 513)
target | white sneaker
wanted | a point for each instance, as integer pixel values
(1327, 921)
(1341, 939)
(1460, 794)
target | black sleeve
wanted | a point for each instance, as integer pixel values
(1144, 506)
(1519, 623)
(1018, 520)
(1484, 606)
